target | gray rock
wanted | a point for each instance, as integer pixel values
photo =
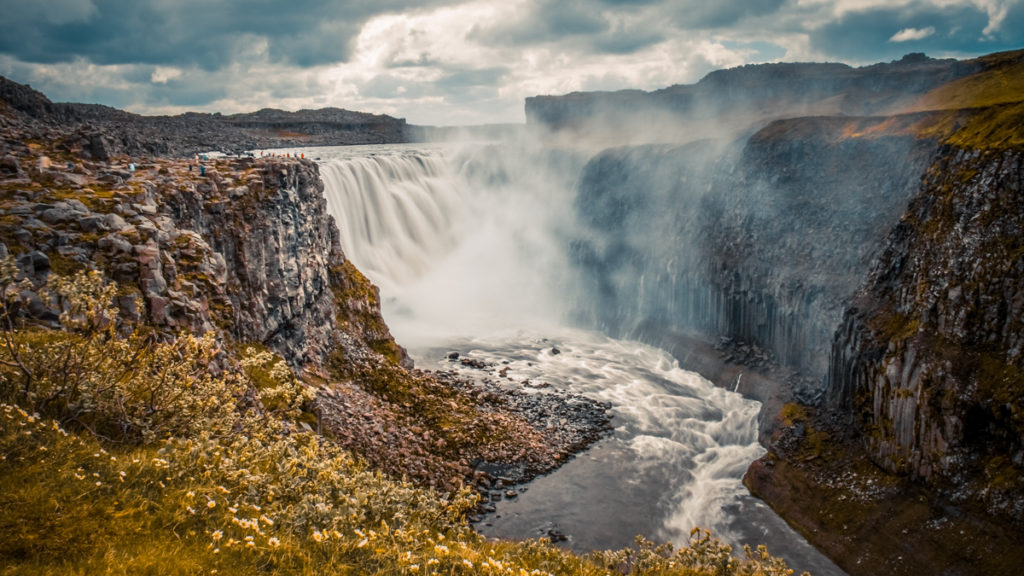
(116, 222)
(9, 166)
(34, 262)
(93, 224)
(115, 244)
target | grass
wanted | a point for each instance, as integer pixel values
(1000, 82)
(981, 111)
(122, 453)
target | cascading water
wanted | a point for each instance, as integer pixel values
(470, 249)
(406, 212)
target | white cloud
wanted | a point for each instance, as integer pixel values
(909, 34)
(161, 74)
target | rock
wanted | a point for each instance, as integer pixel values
(115, 243)
(9, 166)
(93, 224)
(555, 351)
(98, 147)
(35, 307)
(556, 535)
(60, 215)
(453, 355)
(34, 262)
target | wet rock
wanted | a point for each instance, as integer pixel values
(556, 535)
(474, 363)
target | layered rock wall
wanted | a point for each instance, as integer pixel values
(761, 241)
(247, 248)
(929, 358)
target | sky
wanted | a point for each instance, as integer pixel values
(452, 62)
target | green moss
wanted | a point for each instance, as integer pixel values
(792, 413)
(358, 304)
(62, 265)
(892, 326)
(1001, 82)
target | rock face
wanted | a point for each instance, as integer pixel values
(929, 357)
(101, 131)
(269, 229)
(249, 248)
(760, 241)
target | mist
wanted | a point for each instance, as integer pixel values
(461, 238)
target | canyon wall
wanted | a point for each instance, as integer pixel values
(759, 240)
(928, 358)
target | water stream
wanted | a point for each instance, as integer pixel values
(468, 247)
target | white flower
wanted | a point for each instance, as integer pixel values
(274, 542)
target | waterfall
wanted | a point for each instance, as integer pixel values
(471, 248)
(460, 240)
(398, 214)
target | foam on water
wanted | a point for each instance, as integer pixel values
(469, 250)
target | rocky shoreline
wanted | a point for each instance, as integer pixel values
(820, 479)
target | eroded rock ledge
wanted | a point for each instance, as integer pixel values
(245, 248)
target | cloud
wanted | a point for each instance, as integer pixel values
(452, 61)
(908, 34)
(203, 33)
(885, 33)
(692, 14)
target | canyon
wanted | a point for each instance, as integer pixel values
(846, 240)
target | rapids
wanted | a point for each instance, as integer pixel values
(469, 247)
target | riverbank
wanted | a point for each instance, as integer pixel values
(865, 520)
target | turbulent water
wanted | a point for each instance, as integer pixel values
(468, 245)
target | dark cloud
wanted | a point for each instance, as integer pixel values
(694, 14)
(550, 20)
(589, 25)
(866, 35)
(206, 34)
(623, 39)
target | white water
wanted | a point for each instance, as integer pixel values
(468, 246)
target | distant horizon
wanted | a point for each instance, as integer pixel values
(485, 124)
(453, 62)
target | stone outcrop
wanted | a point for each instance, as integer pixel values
(247, 248)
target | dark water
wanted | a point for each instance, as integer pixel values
(473, 243)
(675, 460)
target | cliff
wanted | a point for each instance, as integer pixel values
(869, 265)
(760, 240)
(928, 359)
(738, 97)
